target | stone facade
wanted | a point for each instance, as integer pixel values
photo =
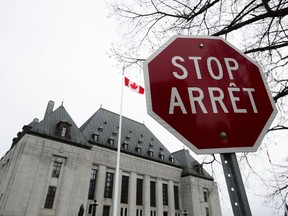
(28, 175)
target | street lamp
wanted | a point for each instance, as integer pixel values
(185, 213)
(94, 205)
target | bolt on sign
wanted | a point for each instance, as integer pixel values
(209, 94)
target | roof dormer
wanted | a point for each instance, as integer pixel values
(95, 136)
(125, 145)
(111, 141)
(63, 129)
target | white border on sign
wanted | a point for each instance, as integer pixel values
(179, 136)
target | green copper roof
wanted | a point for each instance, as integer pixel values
(136, 138)
(47, 127)
(136, 135)
(190, 165)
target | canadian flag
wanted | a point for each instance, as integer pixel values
(134, 86)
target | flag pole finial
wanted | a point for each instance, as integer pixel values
(123, 69)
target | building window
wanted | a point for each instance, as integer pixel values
(152, 213)
(111, 141)
(205, 194)
(124, 189)
(139, 212)
(161, 156)
(150, 152)
(95, 137)
(50, 197)
(92, 184)
(207, 211)
(138, 149)
(90, 207)
(123, 212)
(199, 169)
(106, 210)
(63, 132)
(176, 197)
(125, 145)
(165, 194)
(109, 185)
(152, 194)
(139, 192)
(56, 169)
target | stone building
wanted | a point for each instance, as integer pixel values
(53, 167)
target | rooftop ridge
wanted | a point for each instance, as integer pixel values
(122, 116)
(84, 125)
(104, 124)
(50, 122)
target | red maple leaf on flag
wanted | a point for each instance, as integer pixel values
(134, 86)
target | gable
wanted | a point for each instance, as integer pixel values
(60, 126)
(136, 138)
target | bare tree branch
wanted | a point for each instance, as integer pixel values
(258, 27)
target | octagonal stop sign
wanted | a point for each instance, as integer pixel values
(208, 94)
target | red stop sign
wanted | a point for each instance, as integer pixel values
(208, 94)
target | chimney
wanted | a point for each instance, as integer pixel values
(35, 120)
(49, 108)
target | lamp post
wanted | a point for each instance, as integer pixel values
(94, 205)
(185, 213)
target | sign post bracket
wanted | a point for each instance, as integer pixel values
(236, 190)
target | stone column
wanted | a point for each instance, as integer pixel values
(146, 195)
(159, 197)
(132, 194)
(171, 202)
(100, 187)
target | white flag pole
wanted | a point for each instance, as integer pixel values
(116, 190)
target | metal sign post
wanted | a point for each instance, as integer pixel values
(206, 84)
(236, 190)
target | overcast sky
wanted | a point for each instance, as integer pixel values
(58, 50)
